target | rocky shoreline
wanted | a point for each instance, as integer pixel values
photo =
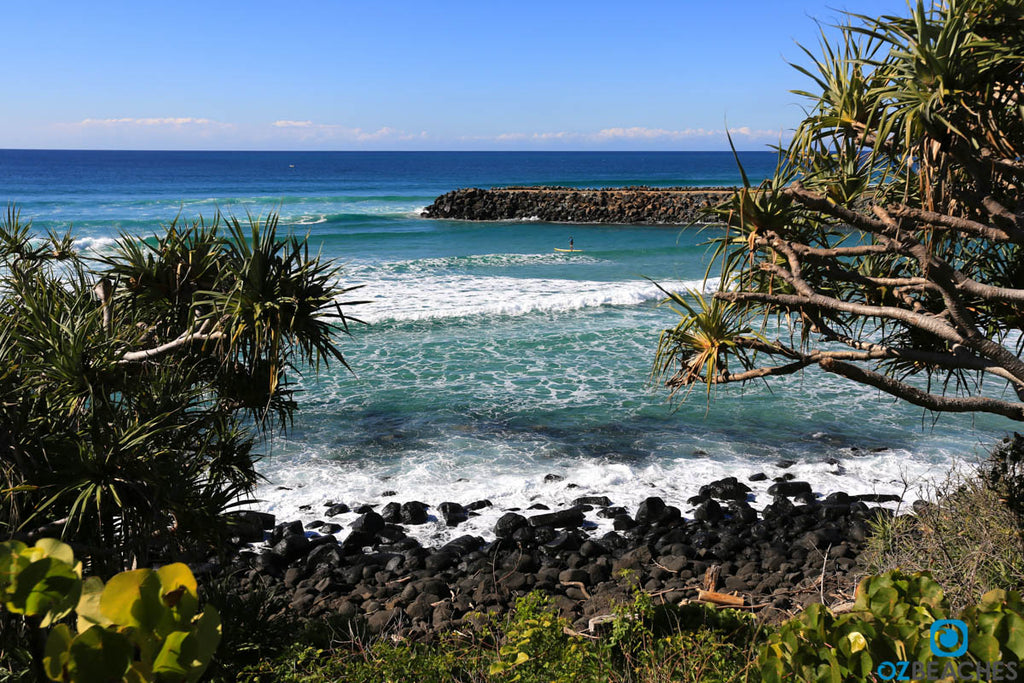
(620, 205)
(798, 549)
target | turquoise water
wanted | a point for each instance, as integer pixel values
(490, 360)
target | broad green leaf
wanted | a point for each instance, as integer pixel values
(89, 612)
(1013, 640)
(100, 655)
(176, 656)
(47, 588)
(883, 601)
(58, 644)
(57, 550)
(207, 637)
(178, 592)
(175, 576)
(10, 560)
(133, 599)
(984, 647)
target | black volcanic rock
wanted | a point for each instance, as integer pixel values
(569, 518)
(369, 523)
(508, 523)
(413, 512)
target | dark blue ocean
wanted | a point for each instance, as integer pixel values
(490, 360)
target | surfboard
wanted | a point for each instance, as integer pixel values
(568, 251)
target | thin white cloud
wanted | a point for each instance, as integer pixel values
(632, 133)
(153, 122)
(292, 124)
(309, 130)
(643, 133)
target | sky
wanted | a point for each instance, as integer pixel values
(383, 75)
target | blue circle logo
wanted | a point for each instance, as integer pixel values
(948, 638)
(886, 671)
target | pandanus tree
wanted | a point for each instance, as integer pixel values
(135, 385)
(888, 247)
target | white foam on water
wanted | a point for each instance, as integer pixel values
(429, 297)
(96, 245)
(310, 220)
(447, 264)
(312, 482)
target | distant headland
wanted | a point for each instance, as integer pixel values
(619, 205)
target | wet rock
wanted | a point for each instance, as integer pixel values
(563, 541)
(876, 498)
(725, 489)
(292, 546)
(413, 512)
(336, 509)
(562, 519)
(285, 529)
(453, 513)
(789, 488)
(508, 523)
(392, 513)
(650, 510)
(597, 501)
(708, 511)
(623, 523)
(369, 523)
(463, 545)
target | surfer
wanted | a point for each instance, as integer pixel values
(570, 242)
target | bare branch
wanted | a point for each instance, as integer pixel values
(833, 252)
(928, 323)
(964, 225)
(163, 349)
(757, 373)
(911, 394)
(822, 204)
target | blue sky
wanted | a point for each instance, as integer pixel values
(324, 75)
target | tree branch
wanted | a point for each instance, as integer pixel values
(906, 392)
(964, 225)
(156, 352)
(927, 323)
(833, 252)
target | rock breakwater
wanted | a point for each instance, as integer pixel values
(622, 205)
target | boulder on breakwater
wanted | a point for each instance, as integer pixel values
(622, 205)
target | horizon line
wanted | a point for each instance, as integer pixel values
(393, 151)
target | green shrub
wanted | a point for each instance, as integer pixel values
(536, 647)
(135, 386)
(965, 536)
(645, 643)
(143, 625)
(891, 622)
